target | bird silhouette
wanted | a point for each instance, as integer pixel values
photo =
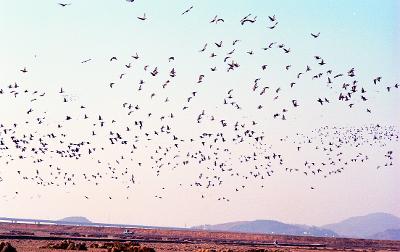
(187, 10)
(315, 35)
(142, 17)
(64, 4)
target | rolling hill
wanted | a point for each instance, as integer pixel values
(76, 219)
(365, 226)
(269, 227)
(390, 234)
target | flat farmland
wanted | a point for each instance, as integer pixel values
(30, 237)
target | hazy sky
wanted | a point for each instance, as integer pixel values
(51, 41)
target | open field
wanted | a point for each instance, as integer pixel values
(29, 237)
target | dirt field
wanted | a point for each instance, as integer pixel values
(29, 237)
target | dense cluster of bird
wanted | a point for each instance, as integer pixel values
(330, 142)
(225, 149)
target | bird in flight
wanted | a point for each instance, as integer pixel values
(64, 4)
(143, 18)
(219, 44)
(246, 19)
(216, 20)
(200, 78)
(315, 35)
(186, 11)
(377, 79)
(204, 48)
(273, 18)
(86, 61)
(273, 26)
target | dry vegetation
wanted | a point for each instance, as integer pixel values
(6, 247)
(66, 245)
(230, 250)
(122, 247)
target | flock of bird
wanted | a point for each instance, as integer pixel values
(225, 149)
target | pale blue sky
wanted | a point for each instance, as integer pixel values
(51, 41)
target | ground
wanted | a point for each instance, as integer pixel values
(28, 237)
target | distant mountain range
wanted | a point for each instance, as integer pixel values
(380, 226)
(371, 226)
(269, 227)
(390, 234)
(76, 219)
(365, 226)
